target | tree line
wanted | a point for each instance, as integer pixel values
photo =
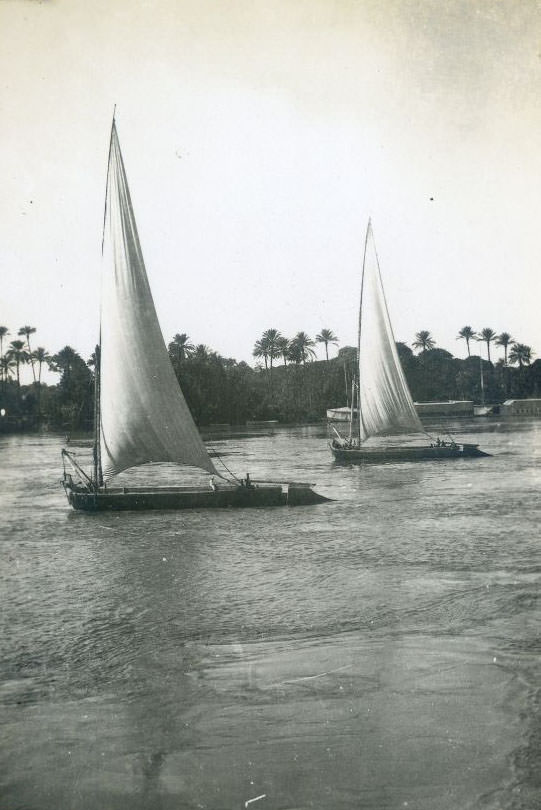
(288, 383)
(69, 402)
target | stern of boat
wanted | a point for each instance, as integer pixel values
(473, 451)
(303, 495)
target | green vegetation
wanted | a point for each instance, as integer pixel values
(288, 383)
(423, 341)
(327, 336)
(487, 335)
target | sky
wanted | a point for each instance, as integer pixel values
(258, 139)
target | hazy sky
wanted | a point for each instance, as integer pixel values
(258, 138)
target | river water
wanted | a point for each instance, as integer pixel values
(378, 651)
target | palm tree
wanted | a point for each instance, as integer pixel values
(327, 336)
(504, 340)
(7, 364)
(180, 347)
(282, 344)
(17, 353)
(294, 353)
(261, 349)
(521, 354)
(424, 341)
(3, 332)
(64, 361)
(301, 347)
(41, 357)
(27, 331)
(300, 350)
(202, 352)
(486, 335)
(467, 334)
(270, 337)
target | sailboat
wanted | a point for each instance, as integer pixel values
(140, 414)
(385, 405)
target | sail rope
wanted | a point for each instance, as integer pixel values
(446, 432)
(217, 456)
(79, 470)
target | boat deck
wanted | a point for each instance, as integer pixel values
(146, 498)
(405, 453)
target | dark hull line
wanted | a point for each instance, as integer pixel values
(138, 499)
(356, 455)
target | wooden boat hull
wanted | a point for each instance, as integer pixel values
(117, 499)
(356, 455)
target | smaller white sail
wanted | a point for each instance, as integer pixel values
(144, 417)
(385, 403)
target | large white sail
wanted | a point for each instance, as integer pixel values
(386, 406)
(144, 416)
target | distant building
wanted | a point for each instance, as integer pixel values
(341, 414)
(462, 407)
(450, 408)
(521, 407)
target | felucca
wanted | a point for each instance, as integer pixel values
(141, 416)
(385, 405)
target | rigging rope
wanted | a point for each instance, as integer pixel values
(218, 456)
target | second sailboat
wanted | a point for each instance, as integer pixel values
(389, 427)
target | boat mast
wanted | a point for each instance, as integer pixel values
(482, 382)
(98, 474)
(98, 471)
(352, 408)
(369, 228)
